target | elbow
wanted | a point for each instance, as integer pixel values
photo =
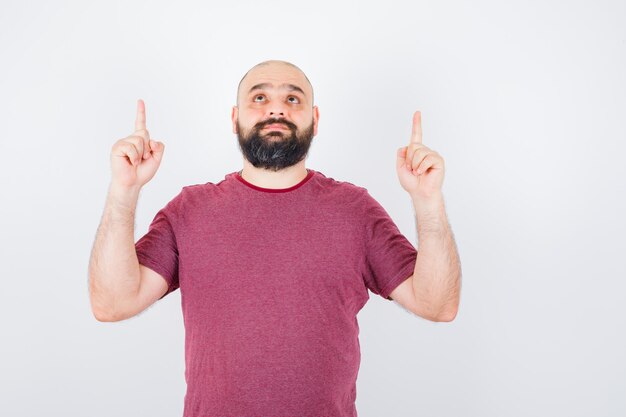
(446, 317)
(448, 314)
(99, 307)
(103, 317)
(448, 311)
(441, 315)
(99, 310)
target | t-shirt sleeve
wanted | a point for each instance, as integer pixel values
(390, 257)
(158, 249)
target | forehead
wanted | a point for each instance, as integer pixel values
(276, 75)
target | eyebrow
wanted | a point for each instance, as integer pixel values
(289, 87)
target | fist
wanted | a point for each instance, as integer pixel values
(136, 158)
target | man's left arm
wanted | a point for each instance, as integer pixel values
(436, 281)
(437, 275)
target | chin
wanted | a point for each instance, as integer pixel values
(275, 135)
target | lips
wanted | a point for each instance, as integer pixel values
(275, 126)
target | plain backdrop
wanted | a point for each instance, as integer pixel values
(524, 100)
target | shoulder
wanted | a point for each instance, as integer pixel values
(193, 193)
(345, 189)
(357, 198)
(188, 196)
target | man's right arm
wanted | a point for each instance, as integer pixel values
(114, 276)
(119, 287)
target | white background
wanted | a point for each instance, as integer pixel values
(524, 100)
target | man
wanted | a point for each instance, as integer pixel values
(274, 261)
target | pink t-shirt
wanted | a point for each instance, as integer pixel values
(271, 282)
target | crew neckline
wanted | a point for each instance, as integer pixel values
(309, 175)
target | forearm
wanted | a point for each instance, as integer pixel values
(114, 275)
(437, 275)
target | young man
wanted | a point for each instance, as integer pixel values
(274, 261)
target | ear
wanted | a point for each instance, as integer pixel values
(316, 118)
(234, 116)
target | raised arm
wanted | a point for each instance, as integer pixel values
(434, 289)
(117, 287)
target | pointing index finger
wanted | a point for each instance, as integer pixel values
(140, 121)
(416, 133)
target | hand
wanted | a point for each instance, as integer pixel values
(136, 158)
(420, 169)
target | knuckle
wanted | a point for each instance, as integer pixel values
(136, 140)
(120, 145)
(120, 142)
(130, 149)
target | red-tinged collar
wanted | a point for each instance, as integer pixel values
(276, 190)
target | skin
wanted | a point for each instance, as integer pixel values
(419, 168)
(277, 102)
(433, 291)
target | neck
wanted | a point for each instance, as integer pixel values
(284, 178)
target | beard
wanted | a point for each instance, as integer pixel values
(276, 149)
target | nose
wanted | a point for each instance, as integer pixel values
(277, 116)
(276, 109)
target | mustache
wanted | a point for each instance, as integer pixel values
(283, 122)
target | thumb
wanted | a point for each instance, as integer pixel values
(401, 156)
(157, 150)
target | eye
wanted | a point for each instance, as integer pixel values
(257, 96)
(294, 97)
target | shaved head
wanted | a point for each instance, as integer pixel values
(272, 62)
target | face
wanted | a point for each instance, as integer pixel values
(275, 120)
